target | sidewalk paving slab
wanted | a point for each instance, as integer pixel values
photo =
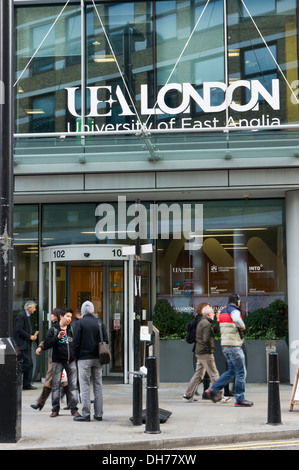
(190, 424)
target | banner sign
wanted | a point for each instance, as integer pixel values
(214, 98)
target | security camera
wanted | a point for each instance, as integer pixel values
(86, 255)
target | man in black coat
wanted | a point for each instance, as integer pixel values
(23, 337)
(86, 349)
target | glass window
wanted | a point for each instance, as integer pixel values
(43, 116)
(153, 62)
(48, 59)
(73, 30)
(262, 49)
(90, 223)
(166, 27)
(68, 224)
(241, 249)
(260, 8)
(26, 229)
(44, 58)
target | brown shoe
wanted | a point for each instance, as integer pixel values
(54, 414)
(75, 413)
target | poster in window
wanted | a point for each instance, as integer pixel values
(221, 279)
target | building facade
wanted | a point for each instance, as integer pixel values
(189, 107)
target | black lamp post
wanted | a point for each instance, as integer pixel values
(137, 378)
(10, 358)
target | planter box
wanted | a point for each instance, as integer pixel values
(176, 360)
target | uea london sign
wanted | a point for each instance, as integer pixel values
(102, 106)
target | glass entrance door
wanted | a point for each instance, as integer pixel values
(102, 283)
(71, 274)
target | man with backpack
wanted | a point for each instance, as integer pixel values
(231, 328)
(204, 351)
(60, 338)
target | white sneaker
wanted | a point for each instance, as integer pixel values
(225, 399)
(189, 400)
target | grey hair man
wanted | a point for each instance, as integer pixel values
(24, 336)
(204, 351)
(86, 348)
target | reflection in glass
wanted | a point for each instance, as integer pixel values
(26, 242)
(241, 250)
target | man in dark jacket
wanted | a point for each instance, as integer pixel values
(86, 348)
(23, 337)
(60, 338)
(204, 351)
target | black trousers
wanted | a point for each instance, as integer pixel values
(27, 366)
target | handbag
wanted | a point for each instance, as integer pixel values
(104, 350)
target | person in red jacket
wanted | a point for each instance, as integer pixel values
(231, 327)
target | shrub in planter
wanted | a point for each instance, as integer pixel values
(268, 323)
(170, 323)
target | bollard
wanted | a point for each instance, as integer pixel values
(152, 421)
(274, 416)
(10, 391)
(137, 400)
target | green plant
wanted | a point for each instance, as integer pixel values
(268, 323)
(170, 323)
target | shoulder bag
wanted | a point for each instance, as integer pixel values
(104, 350)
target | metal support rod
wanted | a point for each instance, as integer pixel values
(83, 65)
(274, 415)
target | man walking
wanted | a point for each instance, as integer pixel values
(23, 337)
(86, 348)
(204, 351)
(231, 325)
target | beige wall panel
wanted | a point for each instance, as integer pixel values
(266, 177)
(192, 179)
(120, 181)
(53, 183)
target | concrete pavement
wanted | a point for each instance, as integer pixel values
(190, 424)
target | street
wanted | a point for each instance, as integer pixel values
(288, 444)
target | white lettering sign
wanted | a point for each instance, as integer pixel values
(187, 94)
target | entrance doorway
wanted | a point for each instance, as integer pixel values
(72, 274)
(102, 283)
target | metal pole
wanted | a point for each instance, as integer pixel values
(137, 345)
(137, 378)
(6, 169)
(10, 367)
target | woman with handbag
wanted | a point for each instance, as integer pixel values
(86, 348)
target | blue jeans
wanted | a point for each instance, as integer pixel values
(235, 359)
(71, 372)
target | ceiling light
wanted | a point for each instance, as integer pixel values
(34, 111)
(103, 58)
(233, 52)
